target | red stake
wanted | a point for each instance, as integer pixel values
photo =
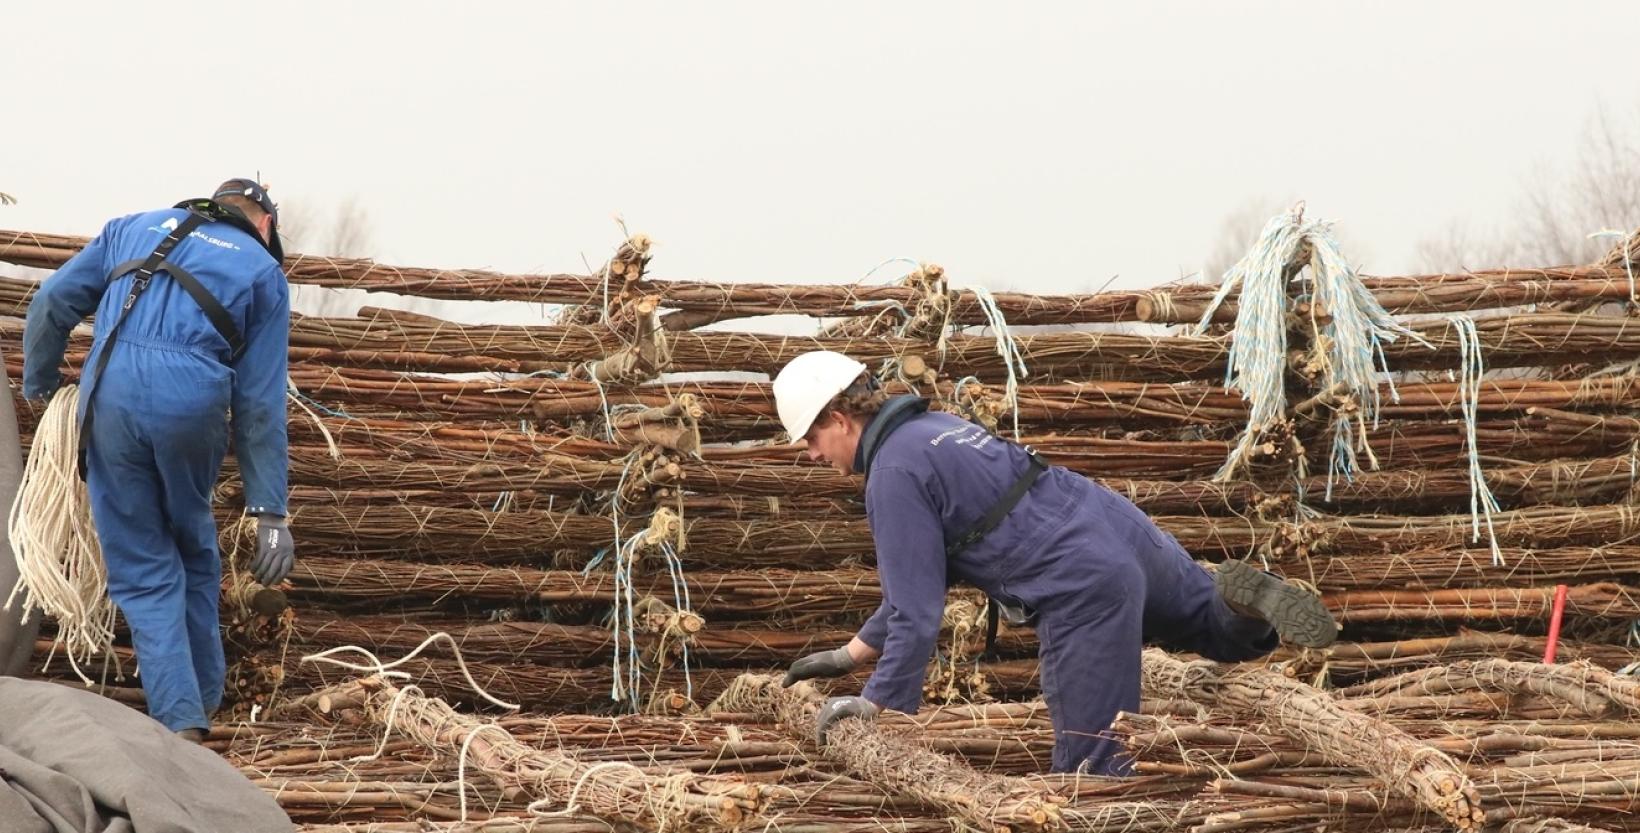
(1554, 624)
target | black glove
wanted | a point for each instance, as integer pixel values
(834, 663)
(275, 550)
(839, 708)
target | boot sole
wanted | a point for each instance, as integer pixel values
(1297, 615)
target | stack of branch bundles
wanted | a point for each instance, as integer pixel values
(600, 538)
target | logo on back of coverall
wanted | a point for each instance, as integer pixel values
(171, 224)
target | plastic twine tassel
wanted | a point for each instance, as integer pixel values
(1353, 336)
(1258, 346)
(1481, 502)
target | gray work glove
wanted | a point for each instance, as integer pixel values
(834, 663)
(839, 708)
(275, 550)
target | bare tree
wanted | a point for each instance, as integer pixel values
(343, 232)
(1557, 210)
(1237, 232)
(350, 231)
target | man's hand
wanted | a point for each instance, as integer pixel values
(840, 708)
(275, 550)
(834, 663)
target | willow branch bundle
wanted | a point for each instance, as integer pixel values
(507, 641)
(642, 355)
(1595, 601)
(622, 285)
(554, 473)
(676, 800)
(1532, 526)
(795, 823)
(714, 302)
(1537, 436)
(1524, 340)
(1437, 569)
(705, 302)
(1554, 482)
(556, 688)
(376, 442)
(1342, 736)
(990, 802)
(750, 403)
(1547, 825)
(1602, 479)
(393, 341)
(1595, 691)
(435, 531)
(1424, 294)
(1574, 684)
(1365, 660)
(387, 341)
(740, 592)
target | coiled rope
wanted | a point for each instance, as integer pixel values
(59, 562)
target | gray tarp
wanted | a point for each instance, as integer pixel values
(74, 762)
(16, 638)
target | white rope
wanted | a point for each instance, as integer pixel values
(625, 620)
(1007, 348)
(1471, 369)
(376, 666)
(388, 723)
(461, 761)
(538, 809)
(59, 562)
(294, 394)
(680, 603)
(1628, 261)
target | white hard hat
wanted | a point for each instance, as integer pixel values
(807, 383)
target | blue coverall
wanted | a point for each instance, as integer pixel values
(160, 430)
(1100, 575)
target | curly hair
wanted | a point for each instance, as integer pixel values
(862, 399)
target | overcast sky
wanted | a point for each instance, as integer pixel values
(1045, 147)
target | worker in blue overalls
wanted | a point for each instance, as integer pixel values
(192, 323)
(948, 500)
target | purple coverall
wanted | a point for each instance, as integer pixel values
(1101, 576)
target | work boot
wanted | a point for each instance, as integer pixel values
(192, 735)
(1297, 615)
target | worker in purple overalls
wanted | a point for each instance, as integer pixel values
(948, 501)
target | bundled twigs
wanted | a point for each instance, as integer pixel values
(560, 783)
(1361, 660)
(1594, 691)
(991, 802)
(1602, 600)
(698, 303)
(1340, 735)
(747, 593)
(715, 302)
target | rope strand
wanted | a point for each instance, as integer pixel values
(59, 562)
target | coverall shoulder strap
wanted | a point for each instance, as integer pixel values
(146, 269)
(988, 522)
(156, 261)
(999, 510)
